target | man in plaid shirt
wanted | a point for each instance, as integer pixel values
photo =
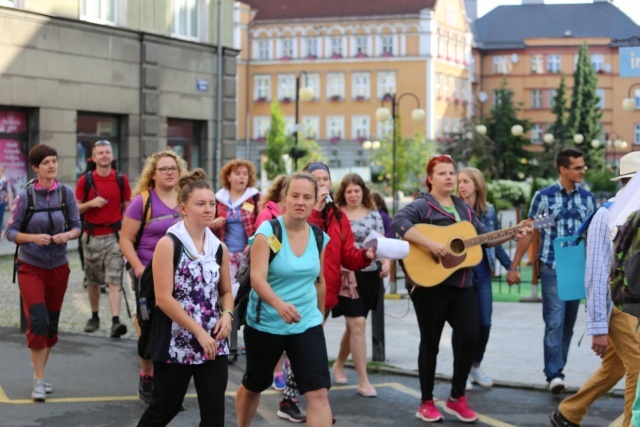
(570, 205)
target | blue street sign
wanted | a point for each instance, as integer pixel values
(629, 61)
(202, 85)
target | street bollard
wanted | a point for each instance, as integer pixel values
(377, 329)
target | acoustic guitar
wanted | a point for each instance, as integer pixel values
(463, 243)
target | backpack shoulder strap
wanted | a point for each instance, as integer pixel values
(120, 181)
(146, 216)
(277, 231)
(219, 255)
(88, 183)
(319, 235)
(177, 249)
(585, 225)
(62, 197)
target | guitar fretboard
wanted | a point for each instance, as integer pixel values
(490, 237)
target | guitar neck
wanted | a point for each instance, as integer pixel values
(491, 236)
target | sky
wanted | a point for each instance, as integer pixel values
(630, 7)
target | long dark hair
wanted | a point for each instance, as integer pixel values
(354, 178)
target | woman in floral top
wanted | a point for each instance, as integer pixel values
(361, 289)
(194, 312)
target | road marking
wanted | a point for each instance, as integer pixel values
(617, 422)
(3, 396)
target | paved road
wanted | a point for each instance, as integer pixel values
(95, 383)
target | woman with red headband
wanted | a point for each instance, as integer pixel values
(453, 300)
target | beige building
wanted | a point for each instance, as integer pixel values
(351, 54)
(140, 73)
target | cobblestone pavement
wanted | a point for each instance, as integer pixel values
(75, 309)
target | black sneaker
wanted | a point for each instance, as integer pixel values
(145, 388)
(92, 325)
(118, 330)
(290, 411)
(558, 420)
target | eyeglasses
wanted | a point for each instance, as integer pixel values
(433, 156)
(579, 168)
(102, 142)
(165, 170)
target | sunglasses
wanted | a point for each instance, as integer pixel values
(433, 156)
(102, 142)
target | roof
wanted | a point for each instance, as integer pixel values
(508, 27)
(279, 10)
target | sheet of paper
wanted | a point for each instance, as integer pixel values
(387, 248)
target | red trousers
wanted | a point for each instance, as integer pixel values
(42, 292)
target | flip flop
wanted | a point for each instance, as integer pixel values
(340, 379)
(373, 393)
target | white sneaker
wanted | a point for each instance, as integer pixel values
(478, 376)
(469, 385)
(557, 385)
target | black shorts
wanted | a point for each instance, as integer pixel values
(307, 354)
(370, 286)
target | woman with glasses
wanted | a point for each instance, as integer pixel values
(361, 290)
(472, 188)
(452, 301)
(237, 208)
(152, 211)
(43, 268)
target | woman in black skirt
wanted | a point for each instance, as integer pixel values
(361, 289)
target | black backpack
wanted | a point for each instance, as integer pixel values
(31, 209)
(243, 277)
(146, 301)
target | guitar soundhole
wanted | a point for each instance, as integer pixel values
(457, 246)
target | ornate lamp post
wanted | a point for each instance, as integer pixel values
(304, 94)
(383, 114)
(368, 146)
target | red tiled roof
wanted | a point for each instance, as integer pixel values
(301, 9)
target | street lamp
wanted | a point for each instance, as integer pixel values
(368, 146)
(629, 103)
(304, 94)
(383, 114)
(616, 144)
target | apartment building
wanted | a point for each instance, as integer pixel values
(351, 53)
(140, 73)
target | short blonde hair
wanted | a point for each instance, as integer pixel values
(476, 176)
(231, 166)
(146, 181)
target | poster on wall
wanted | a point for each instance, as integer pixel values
(13, 154)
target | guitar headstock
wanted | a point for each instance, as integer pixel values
(543, 221)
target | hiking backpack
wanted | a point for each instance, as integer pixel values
(31, 210)
(146, 300)
(624, 278)
(243, 277)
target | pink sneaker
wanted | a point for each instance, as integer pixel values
(460, 409)
(428, 412)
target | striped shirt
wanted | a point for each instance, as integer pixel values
(569, 211)
(596, 278)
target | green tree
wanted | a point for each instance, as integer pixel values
(470, 147)
(558, 129)
(512, 158)
(277, 143)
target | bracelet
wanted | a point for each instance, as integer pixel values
(227, 311)
(69, 236)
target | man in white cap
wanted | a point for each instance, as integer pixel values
(613, 332)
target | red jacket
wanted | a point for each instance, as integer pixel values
(341, 249)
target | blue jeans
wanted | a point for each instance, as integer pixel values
(559, 319)
(484, 301)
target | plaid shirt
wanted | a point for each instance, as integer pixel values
(569, 211)
(248, 217)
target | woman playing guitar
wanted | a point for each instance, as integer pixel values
(454, 300)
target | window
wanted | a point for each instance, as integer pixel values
(502, 64)
(439, 126)
(289, 125)
(497, 100)
(335, 128)
(553, 64)
(100, 11)
(184, 138)
(336, 47)
(387, 45)
(463, 89)
(360, 127)
(386, 83)
(636, 96)
(286, 87)
(312, 48)
(14, 139)
(446, 86)
(551, 97)
(262, 87)
(456, 125)
(310, 127)
(287, 48)
(636, 134)
(438, 85)
(362, 46)
(385, 129)
(447, 125)
(600, 94)
(263, 50)
(456, 88)
(335, 86)
(186, 15)
(360, 86)
(261, 127)
(536, 133)
(91, 127)
(537, 64)
(597, 60)
(536, 98)
(442, 47)
(313, 82)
